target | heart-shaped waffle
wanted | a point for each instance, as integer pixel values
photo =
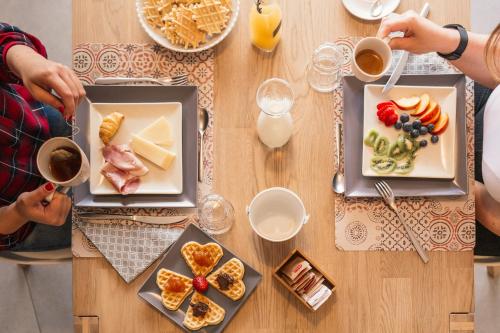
(172, 300)
(213, 316)
(213, 250)
(235, 269)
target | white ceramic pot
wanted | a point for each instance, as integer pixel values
(277, 214)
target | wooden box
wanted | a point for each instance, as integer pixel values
(297, 253)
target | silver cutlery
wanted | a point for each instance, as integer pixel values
(387, 194)
(202, 126)
(98, 218)
(177, 80)
(398, 70)
(338, 182)
(376, 8)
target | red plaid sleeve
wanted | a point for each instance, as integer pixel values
(10, 36)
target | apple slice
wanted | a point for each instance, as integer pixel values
(422, 106)
(430, 112)
(441, 124)
(407, 103)
(434, 119)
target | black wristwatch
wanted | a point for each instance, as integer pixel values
(464, 40)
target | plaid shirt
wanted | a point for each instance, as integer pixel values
(23, 129)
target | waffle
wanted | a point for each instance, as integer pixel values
(172, 300)
(236, 270)
(213, 249)
(214, 316)
(186, 29)
(210, 16)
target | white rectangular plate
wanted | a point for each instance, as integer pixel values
(137, 117)
(435, 160)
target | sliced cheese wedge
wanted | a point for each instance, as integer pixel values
(154, 153)
(158, 132)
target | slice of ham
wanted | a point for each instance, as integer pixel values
(123, 158)
(123, 181)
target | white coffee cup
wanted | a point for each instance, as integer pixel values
(277, 214)
(43, 161)
(381, 47)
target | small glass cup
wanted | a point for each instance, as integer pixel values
(216, 214)
(323, 73)
(275, 99)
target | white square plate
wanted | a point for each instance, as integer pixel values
(435, 160)
(137, 117)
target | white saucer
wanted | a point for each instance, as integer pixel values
(361, 8)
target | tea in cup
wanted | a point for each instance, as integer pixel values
(372, 58)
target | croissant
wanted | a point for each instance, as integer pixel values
(109, 126)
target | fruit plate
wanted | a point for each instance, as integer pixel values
(436, 160)
(358, 185)
(174, 261)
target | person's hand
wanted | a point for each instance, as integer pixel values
(40, 75)
(29, 206)
(420, 34)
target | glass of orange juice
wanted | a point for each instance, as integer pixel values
(265, 24)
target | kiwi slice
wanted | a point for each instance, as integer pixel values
(381, 146)
(371, 138)
(382, 165)
(397, 151)
(405, 167)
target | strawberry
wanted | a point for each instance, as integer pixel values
(200, 284)
(384, 104)
(391, 119)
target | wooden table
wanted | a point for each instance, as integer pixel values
(377, 291)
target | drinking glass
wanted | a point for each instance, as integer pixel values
(323, 73)
(275, 125)
(265, 24)
(216, 214)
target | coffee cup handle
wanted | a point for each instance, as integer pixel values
(64, 189)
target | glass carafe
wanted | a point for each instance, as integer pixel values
(265, 24)
(324, 71)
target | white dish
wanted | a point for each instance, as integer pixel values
(158, 37)
(361, 8)
(434, 161)
(137, 117)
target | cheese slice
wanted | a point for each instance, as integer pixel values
(154, 153)
(158, 132)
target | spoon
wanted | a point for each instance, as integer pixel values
(376, 8)
(202, 126)
(338, 182)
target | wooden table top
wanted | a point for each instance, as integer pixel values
(376, 291)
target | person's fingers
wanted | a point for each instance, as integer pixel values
(64, 91)
(402, 43)
(79, 85)
(40, 193)
(399, 23)
(45, 97)
(57, 209)
(68, 79)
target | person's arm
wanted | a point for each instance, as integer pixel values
(423, 36)
(29, 207)
(23, 57)
(487, 209)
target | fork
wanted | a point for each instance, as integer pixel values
(387, 194)
(177, 80)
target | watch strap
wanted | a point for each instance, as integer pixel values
(462, 45)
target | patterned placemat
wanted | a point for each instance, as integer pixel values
(131, 247)
(441, 224)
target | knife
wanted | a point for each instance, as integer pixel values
(97, 218)
(402, 61)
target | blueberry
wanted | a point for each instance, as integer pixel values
(423, 130)
(398, 125)
(407, 127)
(434, 139)
(416, 124)
(414, 133)
(423, 143)
(430, 127)
(404, 118)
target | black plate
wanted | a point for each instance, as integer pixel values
(174, 261)
(358, 185)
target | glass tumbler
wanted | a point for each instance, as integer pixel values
(323, 73)
(216, 214)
